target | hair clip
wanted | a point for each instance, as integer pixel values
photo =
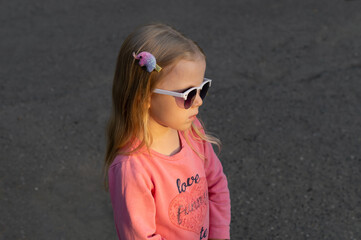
(147, 60)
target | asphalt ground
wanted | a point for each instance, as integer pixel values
(285, 101)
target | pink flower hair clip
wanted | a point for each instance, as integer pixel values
(148, 61)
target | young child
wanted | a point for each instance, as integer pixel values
(164, 178)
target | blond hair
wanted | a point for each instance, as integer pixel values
(133, 87)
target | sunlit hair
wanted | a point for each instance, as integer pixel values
(133, 87)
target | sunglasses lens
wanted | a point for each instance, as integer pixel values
(192, 95)
(190, 98)
(204, 90)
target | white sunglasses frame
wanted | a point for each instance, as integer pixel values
(185, 94)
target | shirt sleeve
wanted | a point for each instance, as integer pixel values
(219, 199)
(132, 200)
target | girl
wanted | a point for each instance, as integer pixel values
(164, 178)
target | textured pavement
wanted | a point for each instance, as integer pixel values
(285, 101)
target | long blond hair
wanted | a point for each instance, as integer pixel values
(133, 87)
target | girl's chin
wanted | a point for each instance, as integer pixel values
(187, 126)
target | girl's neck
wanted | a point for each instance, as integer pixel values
(165, 140)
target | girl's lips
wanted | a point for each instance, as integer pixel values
(193, 116)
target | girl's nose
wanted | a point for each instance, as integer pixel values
(198, 100)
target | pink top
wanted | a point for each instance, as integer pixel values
(170, 197)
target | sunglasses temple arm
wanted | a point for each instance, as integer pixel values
(174, 94)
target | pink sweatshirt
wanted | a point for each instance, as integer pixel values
(178, 197)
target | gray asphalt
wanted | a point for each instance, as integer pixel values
(285, 101)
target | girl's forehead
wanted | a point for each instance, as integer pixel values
(183, 74)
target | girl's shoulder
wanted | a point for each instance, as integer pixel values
(133, 159)
(129, 153)
(119, 159)
(128, 169)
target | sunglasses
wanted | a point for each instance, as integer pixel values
(190, 94)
